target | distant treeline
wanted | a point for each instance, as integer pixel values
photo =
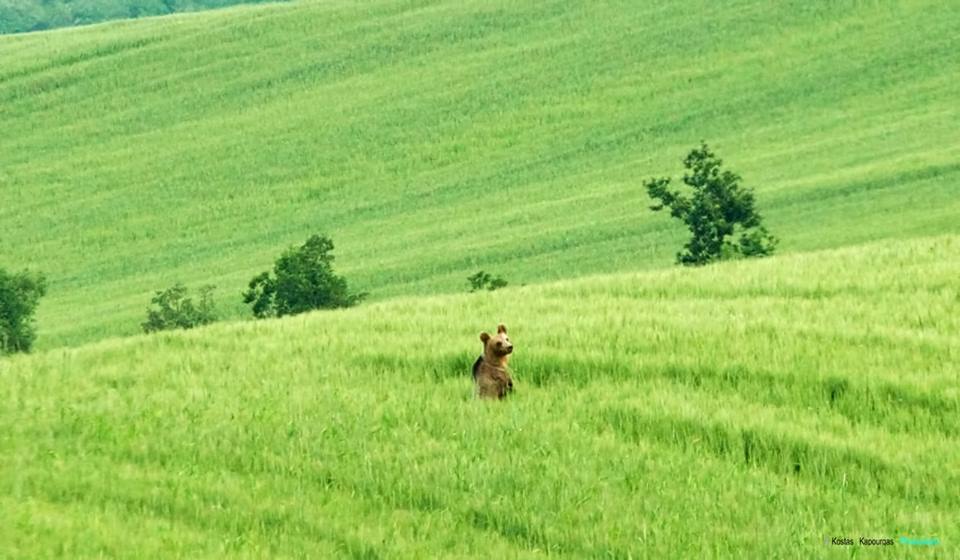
(17, 16)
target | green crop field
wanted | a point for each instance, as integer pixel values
(431, 140)
(18, 16)
(742, 410)
(747, 409)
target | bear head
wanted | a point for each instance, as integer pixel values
(497, 346)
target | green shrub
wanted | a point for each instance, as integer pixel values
(303, 280)
(482, 280)
(174, 310)
(717, 211)
(19, 295)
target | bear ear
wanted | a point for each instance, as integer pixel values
(484, 337)
(501, 328)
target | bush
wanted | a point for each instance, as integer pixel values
(481, 280)
(303, 280)
(174, 310)
(19, 295)
(713, 212)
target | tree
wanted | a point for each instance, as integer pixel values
(19, 295)
(174, 310)
(303, 280)
(719, 213)
(483, 280)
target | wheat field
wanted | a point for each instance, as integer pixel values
(748, 409)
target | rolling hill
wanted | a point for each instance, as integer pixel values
(434, 139)
(19, 16)
(744, 409)
(748, 409)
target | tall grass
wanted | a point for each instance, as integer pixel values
(739, 410)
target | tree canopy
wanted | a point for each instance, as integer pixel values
(720, 213)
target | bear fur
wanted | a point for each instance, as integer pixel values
(490, 372)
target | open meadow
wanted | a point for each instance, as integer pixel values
(745, 409)
(741, 410)
(434, 139)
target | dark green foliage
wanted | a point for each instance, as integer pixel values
(482, 280)
(303, 280)
(174, 310)
(720, 213)
(35, 15)
(19, 295)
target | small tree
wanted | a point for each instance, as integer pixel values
(19, 295)
(174, 310)
(482, 280)
(716, 212)
(303, 280)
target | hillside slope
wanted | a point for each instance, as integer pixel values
(742, 410)
(433, 139)
(18, 16)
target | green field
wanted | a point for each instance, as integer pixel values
(740, 410)
(745, 409)
(19, 16)
(431, 140)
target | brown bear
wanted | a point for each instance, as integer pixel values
(490, 371)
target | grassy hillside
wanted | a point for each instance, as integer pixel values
(17, 16)
(433, 139)
(742, 410)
